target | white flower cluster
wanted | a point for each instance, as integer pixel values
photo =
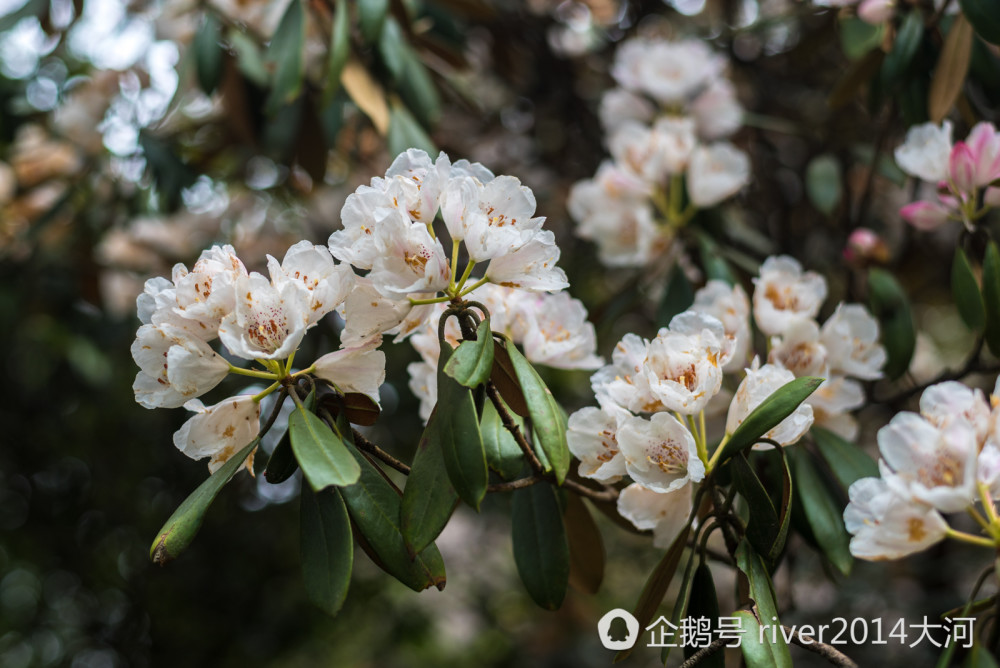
(664, 125)
(654, 395)
(256, 318)
(944, 459)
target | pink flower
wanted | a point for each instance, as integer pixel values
(925, 215)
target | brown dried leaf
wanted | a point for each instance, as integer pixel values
(952, 66)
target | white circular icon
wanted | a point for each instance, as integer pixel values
(604, 630)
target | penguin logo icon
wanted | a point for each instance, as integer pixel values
(612, 638)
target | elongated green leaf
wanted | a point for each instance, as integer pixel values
(712, 261)
(249, 57)
(419, 92)
(951, 69)
(858, 37)
(322, 455)
(178, 531)
(371, 16)
(678, 296)
(905, 47)
(286, 54)
(704, 604)
(979, 657)
(472, 362)
(656, 585)
(984, 15)
(428, 498)
(756, 654)
(459, 436)
(208, 53)
(327, 548)
(824, 513)
(892, 309)
(991, 297)
(393, 49)
(823, 183)
(282, 463)
(682, 600)
(502, 452)
(965, 291)
(405, 132)
(340, 51)
(765, 523)
(374, 506)
(541, 551)
(769, 414)
(547, 418)
(762, 592)
(586, 547)
(847, 461)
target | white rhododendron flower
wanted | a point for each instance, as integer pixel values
(219, 431)
(783, 294)
(423, 384)
(760, 383)
(592, 438)
(174, 366)
(851, 339)
(268, 322)
(926, 151)
(359, 369)
(530, 267)
(717, 112)
(207, 293)
(716, 172)
(663, 514)
(888, 526)
(729, 305)
(623, 382)
(674, 71)
(660, 452)
(619, 106)
(800, 351)
(556, 331)
(831, 402)
(944, 403)
(683, 363)
(311, 269)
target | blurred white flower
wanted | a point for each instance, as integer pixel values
(784, 295)
(730, 305)
(925, 151)
(888, 526)
(716, 172)
(760, 383)
(851, 338)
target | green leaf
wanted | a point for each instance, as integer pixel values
(208, 53)
(428, 498)
(340, 51)
(586, 547)
(891, 307)
(282, 463)
(756, 654)
(374, 506)
(762, 593)
(779, 405)
(371, 16)
(979, 657)
(249, 59)
(178, 531)
(764, 527)
(823, 512)
(823, 183)
(404, 131)
(472, 362)
(965, 291)
(419, 92)
(712, 261)
(847, 460)
(656, 585)
(541, 550)
(704, 604)
(324, 459)
(677, 298)
(984, 15)
(904, 48)
(458, 433)
(991, 297)
(503, 455)
(857, 37)
(327, 548)
(285, 54)
(682, 600)
(393, 49)
(547, 418)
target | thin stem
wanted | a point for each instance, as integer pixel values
(515, 431)
(482, 281)
(431, 300)
(980, 520)
(274, 386)
(288, 362)
(454, 265)
(715, 455)
(828, 652)
(969, 538)
(465, 276)
(520, 483)
(252, 373)
(988, 505)
(372, 449)
(704, 653)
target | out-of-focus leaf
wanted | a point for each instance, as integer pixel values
(762, 593)
(905, 47)
(419, 92)
(779, 405)
(891, 307)
(541, 551)
(858, 74)
(327, 548)
(285, 53)
(586, 547)
(824, 514)
(502, 452)
(457, 428)
(374, 506)
(548, 422)
(913, 100)
(405, 132)
(965, 291)
(858, 38)
(472, 362)
(712, 261)
(823, 183)
(168, 171)
(208, 53)
(704, 604)
(340, 51)
(991, 296)
(505, 379)
(952, 66)
(323, 457)
(371, 17)
(984, 15)
(393, 49)
(178, 531)
(249, 59)
(428, 498)
(656, 585)
(847, 461)
(979, 657)
(367, 94)
(677, 298)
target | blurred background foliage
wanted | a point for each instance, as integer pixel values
(133, 135)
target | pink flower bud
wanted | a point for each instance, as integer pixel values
(876, 11)
(984, 142)
(962, 168)
(865, 246)
(925, 215)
